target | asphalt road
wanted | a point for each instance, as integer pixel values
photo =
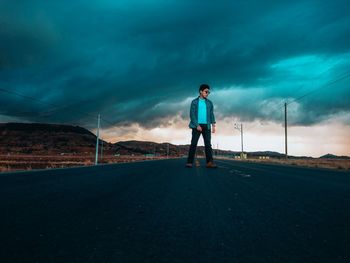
(159, 211)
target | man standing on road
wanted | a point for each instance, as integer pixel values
(202, 118)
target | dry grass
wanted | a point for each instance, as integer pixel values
(10, 163)
(338, 164)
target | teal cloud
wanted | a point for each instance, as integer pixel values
(121, 58)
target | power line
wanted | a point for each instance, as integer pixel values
(342, 77)
(50, 104)
(322, 87)
(23, 96)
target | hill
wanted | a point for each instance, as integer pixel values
(57, 139)
(40, 145)
(332, 156)
(42, 138)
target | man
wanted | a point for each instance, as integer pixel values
(202, 118)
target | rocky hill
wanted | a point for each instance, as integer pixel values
(57, 139)
(40, 138)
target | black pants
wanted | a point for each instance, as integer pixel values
(206, 133)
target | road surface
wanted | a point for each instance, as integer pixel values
(159, 211)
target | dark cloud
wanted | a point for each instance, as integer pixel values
(134, 61)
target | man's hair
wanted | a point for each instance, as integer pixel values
(203, 87)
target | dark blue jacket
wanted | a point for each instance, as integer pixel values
(194, 113)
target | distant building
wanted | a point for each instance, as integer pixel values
(264, 157)
(241, 156)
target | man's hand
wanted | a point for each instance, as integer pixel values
(199, 128)
(213, 129)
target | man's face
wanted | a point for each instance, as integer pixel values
(204, 93)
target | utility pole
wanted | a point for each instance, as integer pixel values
(97, 139)
(101, 150)
(167, 151)
(285, 129)
(242, 138)
(240, 128)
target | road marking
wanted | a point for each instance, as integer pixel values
(239, 173)
(234, 171)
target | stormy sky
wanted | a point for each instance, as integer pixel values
(141, 62)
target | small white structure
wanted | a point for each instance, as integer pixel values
(264, 157)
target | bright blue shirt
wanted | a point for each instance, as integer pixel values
(202, 111)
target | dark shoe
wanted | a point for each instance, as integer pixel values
(211, 165)
(188, 165)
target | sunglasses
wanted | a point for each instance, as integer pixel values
(207, 91)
